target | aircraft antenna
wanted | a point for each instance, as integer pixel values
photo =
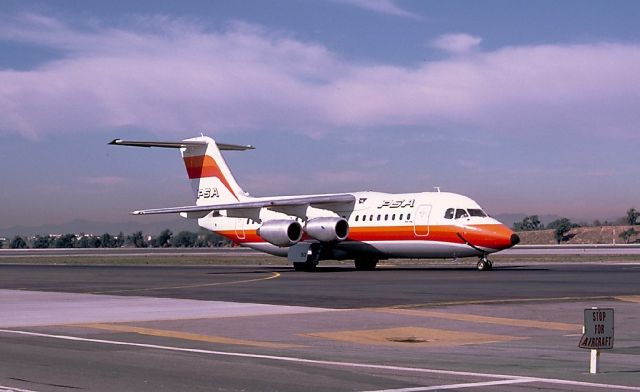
(437, 189)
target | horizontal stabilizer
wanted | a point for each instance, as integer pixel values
(180, 144)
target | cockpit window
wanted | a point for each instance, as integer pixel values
(461, 213)
(448, 214)
(477, 212)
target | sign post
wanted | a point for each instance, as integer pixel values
(597, 334)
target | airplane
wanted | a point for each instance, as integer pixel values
(363, 226)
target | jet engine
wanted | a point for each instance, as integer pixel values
(327, 229)
(281, 232)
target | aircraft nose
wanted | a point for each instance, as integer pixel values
(515, 239)
(496, 237)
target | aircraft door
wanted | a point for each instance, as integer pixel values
(421, 220)
(240, 228)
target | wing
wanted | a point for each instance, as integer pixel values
(288, 204)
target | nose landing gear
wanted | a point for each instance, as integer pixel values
(484, 264)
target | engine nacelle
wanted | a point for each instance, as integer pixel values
(281, 232)
(327, 229)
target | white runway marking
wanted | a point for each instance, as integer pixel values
(327, 363)
(4, 388)
(460, 386)
(20, 309)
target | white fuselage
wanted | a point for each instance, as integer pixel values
(408, 225)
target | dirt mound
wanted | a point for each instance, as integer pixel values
(579, 235)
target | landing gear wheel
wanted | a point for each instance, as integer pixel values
(484, 265)
(365, 264)
(306, 266)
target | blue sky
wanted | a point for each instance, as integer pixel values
(524, 106)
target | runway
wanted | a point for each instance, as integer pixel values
(125, 252)
(333, 286)
(584, 249)
(258, 328)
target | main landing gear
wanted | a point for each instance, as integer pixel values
(307, 266)
(365, 263)
(305, 256)
(484, 264)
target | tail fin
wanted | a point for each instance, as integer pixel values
(211, 179)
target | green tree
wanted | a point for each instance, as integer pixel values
(83, 242)
(632, 216)
(18, 243)
(1, 243)
(529, 223)
(185, 239)
(88, 241)
(163, 240)
(208, 238)
(106, 240)
(137, 239)
(119, 240)
(561, 227)
(42, 242)
(65, 241)
(94, 242)
(627, 234)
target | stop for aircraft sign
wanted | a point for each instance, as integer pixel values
(598, 329)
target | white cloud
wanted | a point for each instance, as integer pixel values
(389, 7)
(174, 77)
(457, 43)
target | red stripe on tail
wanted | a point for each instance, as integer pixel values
(203, 166)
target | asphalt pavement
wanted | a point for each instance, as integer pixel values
(256, 328)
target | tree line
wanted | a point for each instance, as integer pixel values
(166, 239)
(563, 226)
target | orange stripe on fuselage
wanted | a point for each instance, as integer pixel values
(203, 166)
(495, 236)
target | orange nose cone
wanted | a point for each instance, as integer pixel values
(493, 236)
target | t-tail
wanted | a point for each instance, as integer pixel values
(210, 177)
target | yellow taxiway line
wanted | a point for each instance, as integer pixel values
(414, 337)
(501, 301)
(485, 319)
(629, 298)
(183, 335)
(273, 275)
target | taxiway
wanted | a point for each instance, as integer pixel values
(402, 328)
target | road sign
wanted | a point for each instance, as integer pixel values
(598, 329)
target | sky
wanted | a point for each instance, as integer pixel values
(525, 106)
